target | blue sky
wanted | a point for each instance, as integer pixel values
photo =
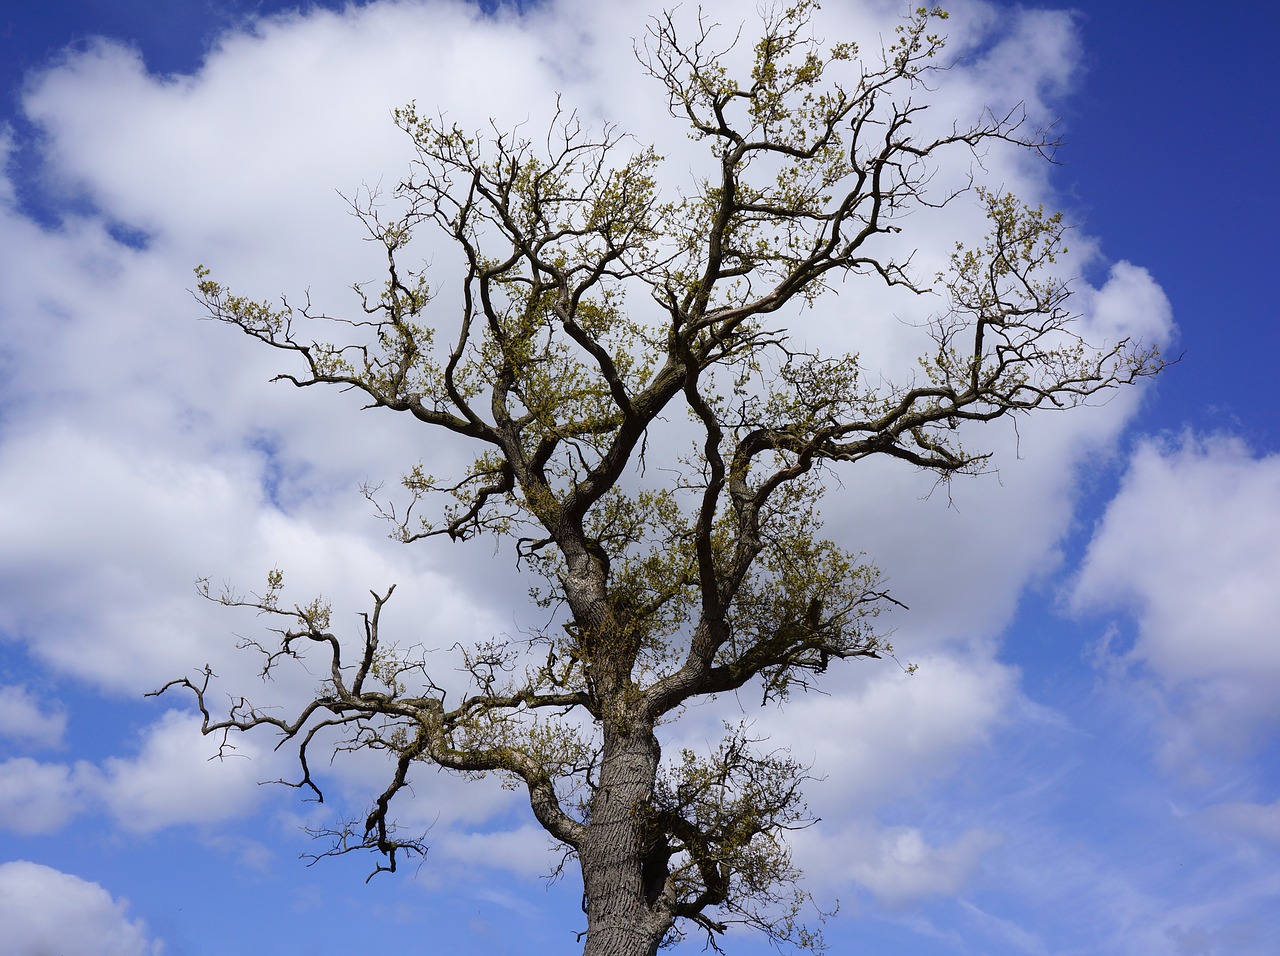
(1085, 762)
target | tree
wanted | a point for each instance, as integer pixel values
(594, 305)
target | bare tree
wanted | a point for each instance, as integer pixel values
(592, 304)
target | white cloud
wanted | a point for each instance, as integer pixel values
(24, 720)
(1130, 304)
(1253, 821)
(146, 528)
(176, 777)
(40, 797)
(7, 191)
(1192, 544)
(319, 86)
(44, 910)
(879, 739)
(1191, 548)
(525, 850)
(173, 779)
(899, 865)
(891, 733)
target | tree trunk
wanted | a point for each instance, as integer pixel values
(620, 919)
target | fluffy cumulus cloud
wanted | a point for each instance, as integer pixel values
(1185, 559)
(885, 737)
(175, 777)
(525, 850)
(1190, 548)
(891, 732)
(142, 449)
(38, 797)
(899, 865)
(25, 721)
(46, 911)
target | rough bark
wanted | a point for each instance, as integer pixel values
(621, 919)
